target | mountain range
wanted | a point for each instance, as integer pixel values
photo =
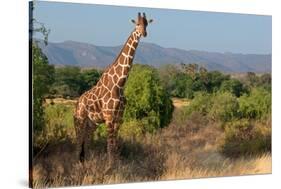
(89, 55)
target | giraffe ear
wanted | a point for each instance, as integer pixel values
(133, 21)
(150, 20)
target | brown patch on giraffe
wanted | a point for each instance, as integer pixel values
(115, 78)
(121, 59)
(107, 97)
(90, 102)
(121, 82)
(99, 84)
(97, 91)
(125, 71)
(111, 71)
(118, 70)
(110, 104)
(126, 50)
(105, 81)
(115, 93)
(110, 84)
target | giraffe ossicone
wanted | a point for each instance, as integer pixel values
(105, 102)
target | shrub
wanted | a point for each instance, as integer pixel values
(246, 137)
(225, 107)
(256, 105)
(233, 86)
(58, 124)
(202, 103)
(147, 101)
(131, 129)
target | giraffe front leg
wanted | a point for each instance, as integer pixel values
(112, 146)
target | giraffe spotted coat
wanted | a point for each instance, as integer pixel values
(105, 102)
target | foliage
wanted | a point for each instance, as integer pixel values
(192, 78)
(202, 103)
(71, 81)
(234, 86)
(256, 105)
(132, 129)
(225, 107)
(59, 118)
(246, 137)
(214, 80)
(264, 80)
(42, 78)
(182, 86)
(147, 101)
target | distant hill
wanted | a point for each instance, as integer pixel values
(88, 55)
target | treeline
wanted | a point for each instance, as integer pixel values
(179, 81)
(70, 81)
(185, 80)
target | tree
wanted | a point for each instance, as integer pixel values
(42, 73)
(89, 78)
(146, 99)
(214, 80)
(42, 78)
(190, 69)
(265, 81)
(71, 81)
(252, 79)
(67, 81)
(233, 86)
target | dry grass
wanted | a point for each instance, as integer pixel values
(179, 102)
(190, 150)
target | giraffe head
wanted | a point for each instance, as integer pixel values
(141, 24)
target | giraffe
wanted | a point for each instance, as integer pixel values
(105, 102)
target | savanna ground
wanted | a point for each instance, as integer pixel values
(185, 149)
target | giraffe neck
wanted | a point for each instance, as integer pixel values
(119, 70)
(127, 53)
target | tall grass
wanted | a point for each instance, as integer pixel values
(190, 147)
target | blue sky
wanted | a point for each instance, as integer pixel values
(198, 30)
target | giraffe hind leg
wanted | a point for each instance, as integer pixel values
(90, 128)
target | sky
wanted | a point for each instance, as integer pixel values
(190, 30)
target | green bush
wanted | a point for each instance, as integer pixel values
(233, 86)
(58, 123)
(202, 103)
(225, 107)
(132, 129)
(146, 99)
(256, 105)
(245, 137)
